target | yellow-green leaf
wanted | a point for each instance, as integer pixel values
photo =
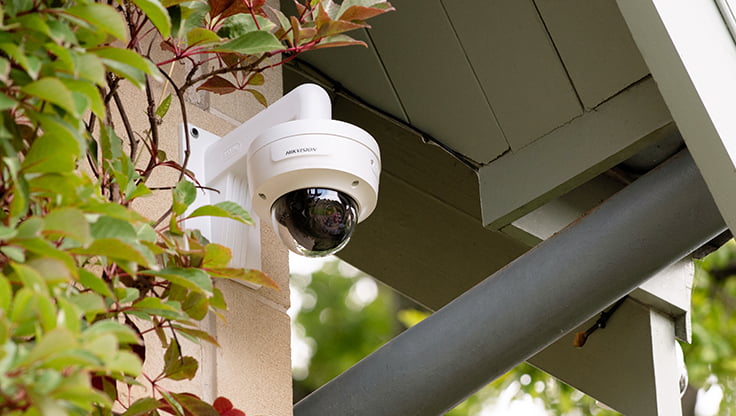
(56, 341)
(54, 91)
(67, 222)
(105, 17)
(252, 43)
(157, 14)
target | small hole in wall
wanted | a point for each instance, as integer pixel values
(194, 132)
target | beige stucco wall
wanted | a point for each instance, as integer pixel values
(252, 367)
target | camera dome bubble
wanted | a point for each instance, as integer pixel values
(314, 222)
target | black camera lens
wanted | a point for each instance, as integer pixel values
(314, 222)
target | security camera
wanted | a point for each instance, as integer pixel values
(312, 178)
(315, 179)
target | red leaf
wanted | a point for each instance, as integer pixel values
(225, 407)
(218, 85)
(361, 13)
(233, 412)
(338, 40)
(335, 27)
(222, 405)
(227, 8)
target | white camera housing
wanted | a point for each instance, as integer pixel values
(292, 145)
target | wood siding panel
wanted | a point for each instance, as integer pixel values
(360, 71)
(595, 45)
(516, 65)
(434, 80)
(520, 182)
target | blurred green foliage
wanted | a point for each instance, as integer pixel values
(341, 334)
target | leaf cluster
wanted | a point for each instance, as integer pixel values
(83, 277)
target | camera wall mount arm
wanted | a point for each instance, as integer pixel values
(293, 144)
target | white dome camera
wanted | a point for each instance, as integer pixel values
(312, 178)
(315, 179)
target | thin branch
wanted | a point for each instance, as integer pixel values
(126, 123)
(183, 106)
(221, 71)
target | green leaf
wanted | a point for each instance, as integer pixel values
(239, 24)
(163, 108)
(195, 305)
(196, 334)
(14, 253)
(335, 41)
(56, 341)
(125, 362)
(90, 67)
(216, 256)
(157, 14)
(256, 79)
(104, 346)
(155, 306)
(258, 96)
(21, 57)
(44, 248)
(184, 194)
(104, 17)
(143, 407)
(193, 279)
(116, 249)
(140, 190)
(6, 295)
(176, 366)
(90, 92)
(252, 43)
(69, 315)
(7, 232)
(54, 91)
(246, 275)
(109, 227)
(192, 405)
(127, 294)
(91, 281)
(53, 270)
(89, 303)
(113, 210)
(67, 222)
(62, 129)
(225, 209)
(30, 278)
(127, 64)
(31, 228)
(7, 103)
(124, 333)
(52, 152)
(218, 300)
(200, 36)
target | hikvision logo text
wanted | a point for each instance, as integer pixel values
(300, 150)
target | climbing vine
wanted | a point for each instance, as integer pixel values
(83, 276)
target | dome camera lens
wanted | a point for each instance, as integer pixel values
(314, 222)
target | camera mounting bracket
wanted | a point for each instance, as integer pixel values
(243, 240)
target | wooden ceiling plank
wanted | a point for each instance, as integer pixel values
(520, 182)
(595, 46)
(516, 65)
(434, 80)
